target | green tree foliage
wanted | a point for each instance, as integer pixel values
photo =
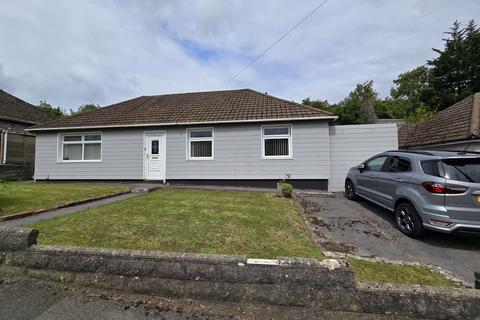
(56, 112)
(85, 108)
(359, 106)
(417, 94)
(454, 74)
(316, 103)
(409, 92)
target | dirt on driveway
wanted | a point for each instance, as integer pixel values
(364, 229)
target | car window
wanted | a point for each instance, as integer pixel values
(376, 164)
(398, 164)
(431, 167)
(467, 170)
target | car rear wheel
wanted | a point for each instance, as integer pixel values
(408, 221)
(350, 192)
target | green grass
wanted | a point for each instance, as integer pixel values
(255, 224)
(28, 196)
(377, 272)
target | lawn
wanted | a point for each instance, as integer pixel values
(378, 272)
(28, 196)
(255, 224)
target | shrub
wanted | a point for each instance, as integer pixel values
(287, 189)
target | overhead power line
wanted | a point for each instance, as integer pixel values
(274, 44)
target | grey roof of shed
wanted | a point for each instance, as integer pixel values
(459, 122)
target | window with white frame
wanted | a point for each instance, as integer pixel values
(81, 147)
(277, 142)
(200, 144)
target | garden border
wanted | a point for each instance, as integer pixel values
(24, 214)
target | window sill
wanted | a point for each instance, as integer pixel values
(79, 161)
(277, 158)
(200, 159)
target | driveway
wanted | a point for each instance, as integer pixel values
(364, 229)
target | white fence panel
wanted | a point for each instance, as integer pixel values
(350, 145)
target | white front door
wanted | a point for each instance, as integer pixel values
(155, 160)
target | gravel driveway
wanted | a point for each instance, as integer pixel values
(364, 229)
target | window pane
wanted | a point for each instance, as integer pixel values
(93, 137)
(398, 164)
(431, 167)
(201, 134)
(467, 170)
(275, 131)
(376, 164)
(276, 147)
(92, 151)
(72, 138)
(200, 149)
(72, 152)
(154, 146)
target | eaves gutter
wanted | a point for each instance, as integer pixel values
(181, 123)
(18, 120)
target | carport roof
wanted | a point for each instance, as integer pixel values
(459, 122)
(191, 108)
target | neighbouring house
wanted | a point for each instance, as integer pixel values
(234, 137)
(17, 146)
(455, 128)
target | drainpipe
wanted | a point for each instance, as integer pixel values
(5, 140)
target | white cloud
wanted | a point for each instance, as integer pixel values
(71, 53)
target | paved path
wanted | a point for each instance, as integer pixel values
(367, 230)
(66, 211)
(41, 300)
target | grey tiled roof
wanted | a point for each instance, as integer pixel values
(459, 122)
(184, 108)
(15, 109)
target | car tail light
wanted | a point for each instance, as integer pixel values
(433, 187)
(440, 188)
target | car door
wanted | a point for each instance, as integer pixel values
(462, 201)
(391, 176)
(366, 179)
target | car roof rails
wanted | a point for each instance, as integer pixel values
(426, 153)
(462, 151)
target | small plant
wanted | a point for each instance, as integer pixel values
(287, 189)
(62, 278)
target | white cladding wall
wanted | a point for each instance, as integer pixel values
(237, 155)
(350, 145)
(122, 158)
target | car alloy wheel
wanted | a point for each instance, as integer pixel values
(350, 190)
(405, 220)
(408, 220)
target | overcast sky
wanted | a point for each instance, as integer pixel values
(75, 52)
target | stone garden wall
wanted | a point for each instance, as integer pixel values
(329, 284)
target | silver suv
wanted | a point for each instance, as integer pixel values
(436, 190)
